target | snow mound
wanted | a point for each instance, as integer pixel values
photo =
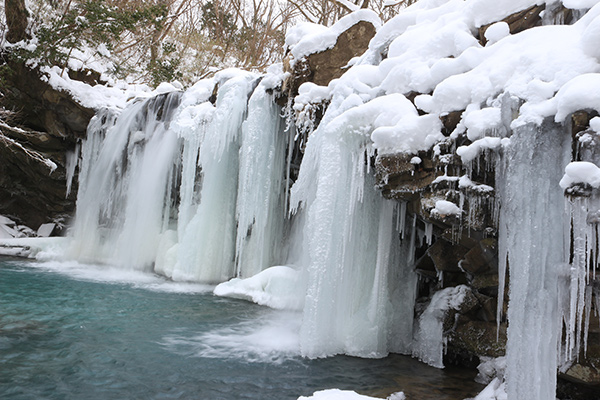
(337, 394)
(276, 287)
(581, 172)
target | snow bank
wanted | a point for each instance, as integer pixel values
(98, 96)
(276, 287)
(430, 48)
(444, 207)
(337, 394)
(40, 248)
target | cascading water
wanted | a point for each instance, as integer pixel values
(126, 179)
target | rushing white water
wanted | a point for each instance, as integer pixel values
(125, 183)
(197, 192)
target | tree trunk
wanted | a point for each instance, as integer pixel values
(16, 20)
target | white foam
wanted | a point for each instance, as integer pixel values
(273, 338)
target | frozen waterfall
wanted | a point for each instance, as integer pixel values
(194, 186)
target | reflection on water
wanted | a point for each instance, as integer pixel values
(72, 331)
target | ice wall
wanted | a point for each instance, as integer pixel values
(349, 240)
(206, 244)
(532, 241)
(261, 188)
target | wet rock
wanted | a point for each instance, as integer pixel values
(586, 369)
(32, 191)
(487, 310)
(330, 64)
(39, 126)
(86, 75)
(400, 179)
(40, 107)
(486, 282)
(450, 121)
(481, 258)
(477, 338)
(446, 255)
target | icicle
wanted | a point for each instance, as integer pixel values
(72, 161)
(260, 199)
(343, 237)
(206, 248)
(428, 233)
(401, 218)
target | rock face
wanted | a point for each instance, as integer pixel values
(39, 127)
(322, 67)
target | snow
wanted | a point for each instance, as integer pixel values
(480, 122)
(581, 172)
(277, 287)
(490, 368)
(40, 248)
(306, 39)
(595, 124)
(497, 31)
(464, 182)
(98, 96)
(430, 48)
(581, 92)
(472, 151)
(337, 394)
(444, 208)
(45, 230)
(51, 165)
(495, 390)
(579, 4)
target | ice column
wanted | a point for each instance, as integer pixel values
(532, 241)
(350, 237)
(206, 247)
(260, 202)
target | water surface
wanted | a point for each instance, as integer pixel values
(72, 331)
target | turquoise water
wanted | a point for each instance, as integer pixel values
(70, 331)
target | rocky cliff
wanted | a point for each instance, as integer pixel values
(39, 129)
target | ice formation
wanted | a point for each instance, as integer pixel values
(196, 188)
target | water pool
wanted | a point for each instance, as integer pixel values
(72, 331)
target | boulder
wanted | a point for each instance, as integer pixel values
(324, 66)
